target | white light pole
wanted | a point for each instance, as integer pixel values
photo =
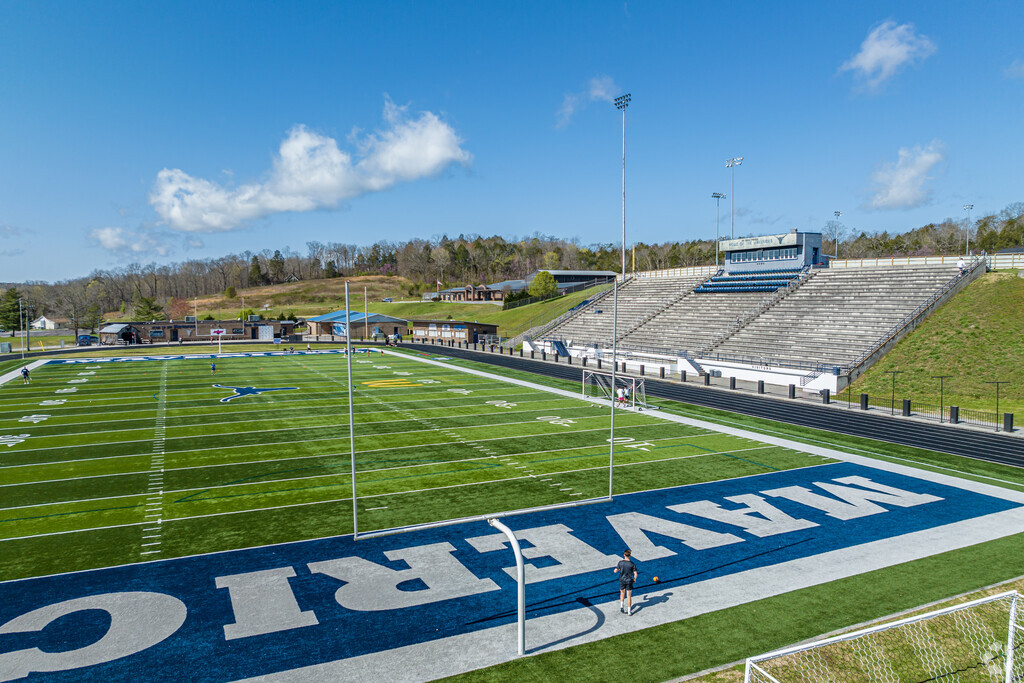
(968, 208)
(835, 232)
(621, 103)
(718, 197)
(733, 163)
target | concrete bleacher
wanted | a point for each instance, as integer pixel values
(836, 316)
(693, 321)
(638, 299)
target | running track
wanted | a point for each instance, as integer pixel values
(990, 447)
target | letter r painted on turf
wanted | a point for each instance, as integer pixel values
(138, 620)
(758, 518)
(370, 587)
(556, 541)
(263, 602)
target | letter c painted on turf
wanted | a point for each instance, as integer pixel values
(137, 621)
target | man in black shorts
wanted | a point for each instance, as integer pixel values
(24, 375)
(627, 571)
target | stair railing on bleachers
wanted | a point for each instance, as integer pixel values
(977, 262)
(661, 309)
(545, 328)
(762, 306)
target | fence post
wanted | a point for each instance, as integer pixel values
(863, 401)
(641, 369)
(598, 363)
(1007, 422)
(826, 396)
(792, 391)
(661, 372)
(584, 361)
(520, 353)
(732, 382)
(682, 375)
(906, 407)
(954, 415)
(707, 379)
(543, 355)
(531, 354)
(760, 386)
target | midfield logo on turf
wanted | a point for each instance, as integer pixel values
(248, 391)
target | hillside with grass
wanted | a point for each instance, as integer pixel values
(316, 297)
(977, 337)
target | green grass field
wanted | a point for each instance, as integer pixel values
(141, 461)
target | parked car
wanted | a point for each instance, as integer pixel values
(388, 300)
(88, 340)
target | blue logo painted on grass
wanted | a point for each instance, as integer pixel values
(255, 612)
(249, 391)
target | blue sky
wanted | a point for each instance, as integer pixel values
(167, 131)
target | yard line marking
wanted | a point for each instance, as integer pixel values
(372, 509)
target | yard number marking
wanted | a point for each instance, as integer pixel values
(70, 390)
(34, 418)
(555, 420)
(86, 373)
(12, 439)
(501, 404)
(464, 392)
(630, 442)
(54, 402)
(384, 367)
(77, 381)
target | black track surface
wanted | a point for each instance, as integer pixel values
(991, 447)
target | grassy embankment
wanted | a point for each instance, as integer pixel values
(977, 337)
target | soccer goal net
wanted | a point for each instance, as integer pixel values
(970, 642)
(599, 385)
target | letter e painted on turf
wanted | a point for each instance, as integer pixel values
(759, 517)
(855, 502)
(137, 621)
(263, 602)
(371, 587)
(572, 555)
(630, 526)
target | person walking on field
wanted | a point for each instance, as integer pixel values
(628, 573)
(213, 368)
(24, 376)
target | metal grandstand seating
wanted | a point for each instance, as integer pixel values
(750, 281)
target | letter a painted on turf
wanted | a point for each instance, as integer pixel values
(631, 527)
(371, 587)
(759, 517)
(571, 555)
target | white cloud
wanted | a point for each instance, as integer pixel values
(885, 51)
(129, 242)
(310, 172)
(1015, 70)
(900, 185)
(7, 231)
(599, 89)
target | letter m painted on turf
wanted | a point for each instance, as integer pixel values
(850, 502)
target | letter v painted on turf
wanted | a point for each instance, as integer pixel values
(854, 502)
(758, 518)
(263, 602)
(371, 587)
(630, 526)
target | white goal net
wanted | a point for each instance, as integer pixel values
(599, 385)
(965, 643)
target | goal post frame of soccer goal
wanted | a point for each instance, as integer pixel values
(923, 642)
(599, 385)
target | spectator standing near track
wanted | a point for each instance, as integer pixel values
(24, 376)
(628, 573)
(960, 264)
(213, 368)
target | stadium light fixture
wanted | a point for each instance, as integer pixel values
(835, 232)
(733, 163)
(718, 197)
(968, 208)
(941, 378)
(621, 103)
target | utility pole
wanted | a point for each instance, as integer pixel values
(621, 103)
(718, 197)
(733, 163)
(968, 208)
(835, 232)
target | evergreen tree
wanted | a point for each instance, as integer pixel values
(275, 266)
(230, 292)
(9, 310)
(255, 273)
(330, 270)
(148, 309)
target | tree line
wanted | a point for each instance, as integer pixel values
(450, 261)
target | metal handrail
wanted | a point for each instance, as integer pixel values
(544, 328)
(914, 315)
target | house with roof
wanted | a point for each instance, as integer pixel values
(45, 323)
(566, 280)
(364, 325)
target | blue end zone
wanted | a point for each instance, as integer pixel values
(325, 600)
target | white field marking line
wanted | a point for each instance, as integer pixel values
(327, 455)
(372, 495)
(263, 444)
(58, 430)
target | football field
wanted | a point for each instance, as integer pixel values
(106, 463)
